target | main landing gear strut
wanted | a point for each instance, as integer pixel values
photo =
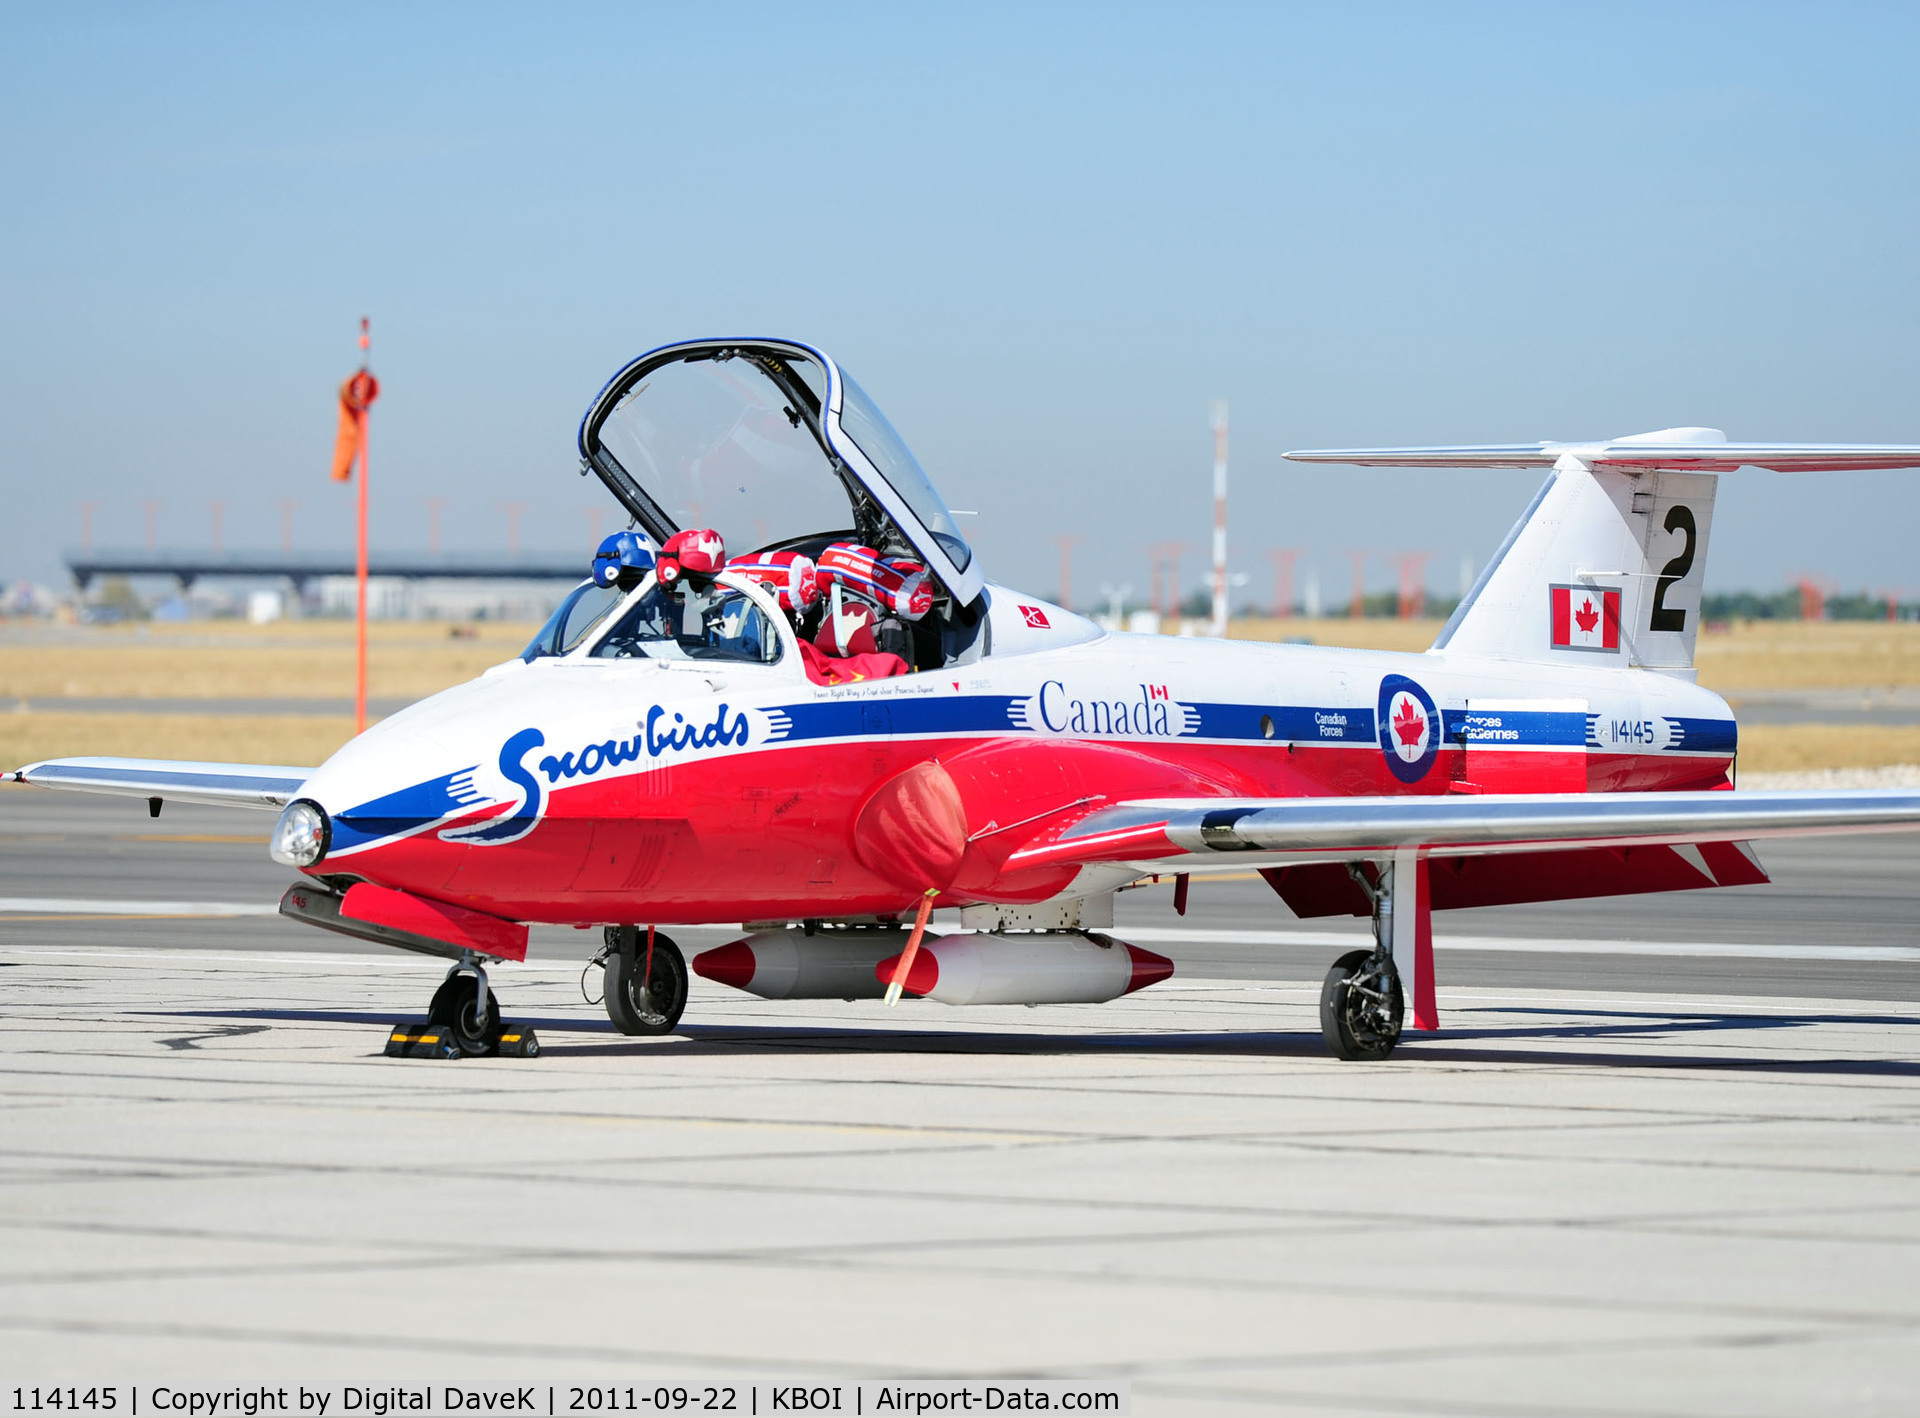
(1363, 1001)
(646, 980)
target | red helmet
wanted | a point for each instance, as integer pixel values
(699, 550)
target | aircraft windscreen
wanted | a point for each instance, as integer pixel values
(584, 608)
(718, 443)
(690, 622)
(868, 428)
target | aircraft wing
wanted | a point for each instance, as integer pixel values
(1203, 834)
(257, 785)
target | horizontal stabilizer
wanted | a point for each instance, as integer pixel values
(260, 785)
(1698, 450)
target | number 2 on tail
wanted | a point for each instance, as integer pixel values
(1679, 519)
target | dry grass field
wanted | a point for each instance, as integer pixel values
(1800, 748)
(44, 666)
(303, 740)
(310, 659)
(1747, 655)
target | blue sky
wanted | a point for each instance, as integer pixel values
(1042, 237)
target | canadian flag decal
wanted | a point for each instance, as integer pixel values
(1585, 618)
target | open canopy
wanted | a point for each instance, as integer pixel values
(772, 445)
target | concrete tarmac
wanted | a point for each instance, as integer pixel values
(1688, 1187)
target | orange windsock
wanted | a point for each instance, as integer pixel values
(356, 397)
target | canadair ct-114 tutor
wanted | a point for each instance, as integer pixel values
(788, 696)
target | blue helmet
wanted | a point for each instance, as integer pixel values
(624, 559)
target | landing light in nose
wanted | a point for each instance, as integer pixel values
(300, 837)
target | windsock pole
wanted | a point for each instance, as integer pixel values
(360, 558)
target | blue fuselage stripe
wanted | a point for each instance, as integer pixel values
(1708, 735)
(883, 716)
(855, 718)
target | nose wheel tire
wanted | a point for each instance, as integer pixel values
(475, 1024)
(653, 1005)
(1360, 1006)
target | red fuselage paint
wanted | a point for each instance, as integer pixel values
(769, 835)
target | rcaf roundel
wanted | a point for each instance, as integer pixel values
(1585, 618)
(1409, 728)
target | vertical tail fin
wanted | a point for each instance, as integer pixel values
(1607, 562)
(1605, 565)
(1609, 558)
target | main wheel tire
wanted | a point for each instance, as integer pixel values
(1357, 1025)
(456, 1004)
(655, 1005)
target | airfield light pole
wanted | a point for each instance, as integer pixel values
(1217, 626)
(1412, 566)
(1814, 590)
(1066, 544)
(514, 509)
(1283, 559)
(1359, 606)
(1166, 576)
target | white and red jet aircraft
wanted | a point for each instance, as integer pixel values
(848, 725)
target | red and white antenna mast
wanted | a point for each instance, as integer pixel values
(1217, 411)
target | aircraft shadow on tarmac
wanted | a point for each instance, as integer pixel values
(1451, 1045)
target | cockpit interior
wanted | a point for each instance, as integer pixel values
(764, 461)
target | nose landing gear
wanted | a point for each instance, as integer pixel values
(646, 980)
(468, 1009)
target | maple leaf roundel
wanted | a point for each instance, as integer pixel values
(1409, 728)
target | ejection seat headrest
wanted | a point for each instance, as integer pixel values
(847, 629)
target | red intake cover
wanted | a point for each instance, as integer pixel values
(913, 830)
